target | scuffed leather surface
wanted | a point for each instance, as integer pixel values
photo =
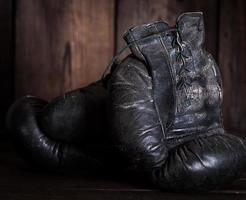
(198, 101)
(198, 154)
(203, 163)
(60, 134)
(70, 117)
(135, 124)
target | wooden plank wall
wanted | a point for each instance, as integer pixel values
(61, 44)
(6, 57)
(232, 60)
(64, 44)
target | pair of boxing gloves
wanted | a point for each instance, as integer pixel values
(156, 113)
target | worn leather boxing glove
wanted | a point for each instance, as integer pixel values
(165, 109)
(67, 132)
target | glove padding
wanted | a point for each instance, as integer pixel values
(62, 133)
(203, 163)
(198, 162)
(166, 109)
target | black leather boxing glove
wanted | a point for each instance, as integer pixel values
(165, 109)
(67, 132)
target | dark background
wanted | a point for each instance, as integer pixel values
(48, 47)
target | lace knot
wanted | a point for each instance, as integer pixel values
(181, 59)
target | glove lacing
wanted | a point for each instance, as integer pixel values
(181, 58)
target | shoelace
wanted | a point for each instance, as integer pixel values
(181, 59)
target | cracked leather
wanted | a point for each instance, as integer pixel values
(165, 109)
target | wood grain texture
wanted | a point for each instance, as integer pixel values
(136, 12)
(232, 51)
(61, 44)
(6, 57)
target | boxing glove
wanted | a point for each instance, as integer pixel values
(165, 109)
(66, 132)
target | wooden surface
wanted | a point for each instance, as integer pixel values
(61, 45)
(232, 52)
(19, 182)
